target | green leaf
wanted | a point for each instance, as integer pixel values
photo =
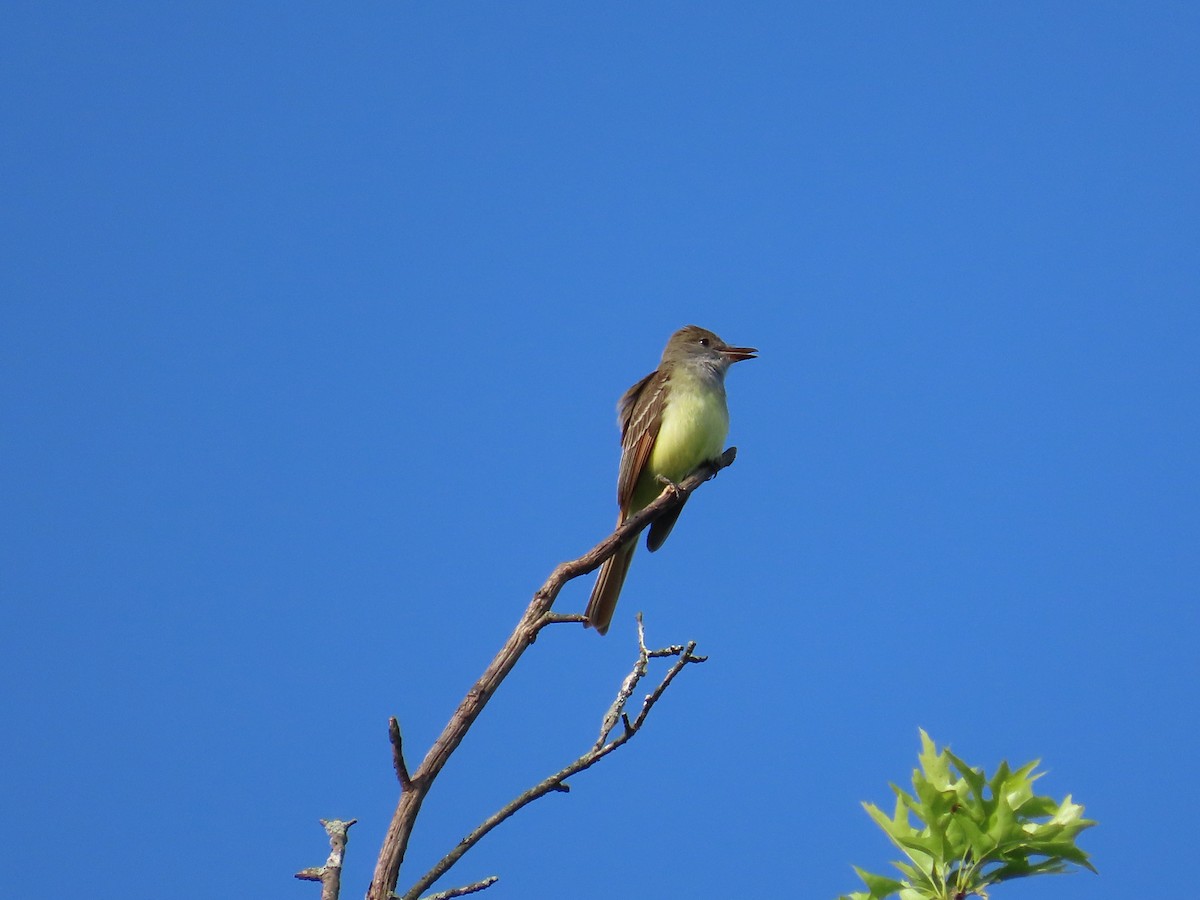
(1002, 824)
(973, 777)
(922, 878)
(981, 843)
(1023, 868)
(934, 765)
(973, 830)
(1036, 806)
(1068, 851)
(879, 885)
(878, 815)
(912, 872)
(1069, 813)
(921, 849)
(996, 782)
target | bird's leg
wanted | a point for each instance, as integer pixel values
(667, 482)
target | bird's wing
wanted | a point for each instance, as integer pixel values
(640, 414)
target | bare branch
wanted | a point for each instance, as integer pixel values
(330, 874)
(463, 891)
(552, 618)
(636, 674)
(398, 762)
(556, 782)
(395, 843)
(647, 704)
(672, 497)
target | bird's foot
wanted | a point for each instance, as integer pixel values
(668, 483)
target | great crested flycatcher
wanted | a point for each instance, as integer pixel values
(671, 421)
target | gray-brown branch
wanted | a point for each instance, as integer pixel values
(536, 616)
(398, 762)
(602, 748)
(465, 889)
(330, 874)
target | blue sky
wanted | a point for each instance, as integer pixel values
(314, 322)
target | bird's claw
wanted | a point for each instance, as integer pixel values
(668, 483)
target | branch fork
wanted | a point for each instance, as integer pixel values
(415, 785)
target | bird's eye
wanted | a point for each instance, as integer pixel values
(703, 342)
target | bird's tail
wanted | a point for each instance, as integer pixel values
(603, 603)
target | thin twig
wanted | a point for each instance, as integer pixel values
(464, 890)
(398, 762)
(330, 874)
(556, 781)
(652, 698)
(553, 618)
(627, 688)
(395, 842)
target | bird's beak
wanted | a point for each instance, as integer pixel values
(737, 354)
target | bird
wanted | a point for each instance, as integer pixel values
(671, 421)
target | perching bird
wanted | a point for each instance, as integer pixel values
(671, 421)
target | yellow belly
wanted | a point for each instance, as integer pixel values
(695, 423)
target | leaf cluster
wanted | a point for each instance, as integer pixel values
(972, 831)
